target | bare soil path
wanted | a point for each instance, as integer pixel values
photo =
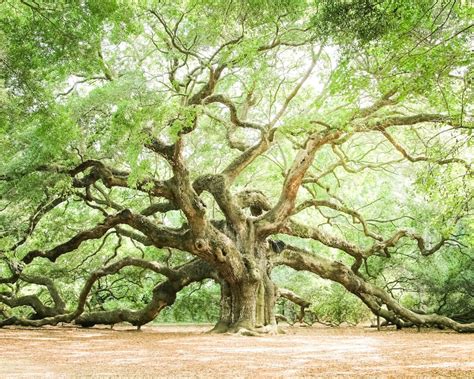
(185, 351)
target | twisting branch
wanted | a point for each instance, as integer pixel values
(175, 276)
(356, 215)
(208, 88)
(294, 298)
(275, 218)
(233, 112)
(300, 259)
(294, 92)
(186, 197)
(159, 147)
(409, 120)
(233, 170)
(93, 233)
(421, 158)
(249, 155)
(133, 236)
(174, 39)
(255, 200)
(159, 236)
(94, 170)
(164, 294)
(303, 231)
(296, 229)
(392, 241)
(58, 301)
(115, 178)
(219, 188)
(159, 208)
(384, 101)
(35, 218)
(41, 310)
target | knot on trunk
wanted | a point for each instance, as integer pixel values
(166, 293)
(253, 271)
(125, 214)
(220, 255)
(255, 200)
(201, 245)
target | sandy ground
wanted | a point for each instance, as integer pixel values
(186, 351)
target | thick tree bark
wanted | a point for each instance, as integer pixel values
(248, 305)
(249, 302)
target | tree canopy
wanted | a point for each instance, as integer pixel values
(147, 146)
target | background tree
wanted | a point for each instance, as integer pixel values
(145, 148)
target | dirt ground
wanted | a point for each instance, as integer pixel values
(186, 351)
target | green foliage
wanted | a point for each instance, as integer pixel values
(196, 303)
(82, 80)
(332, 304)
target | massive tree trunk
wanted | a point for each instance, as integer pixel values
(247, 305)
(248, 298)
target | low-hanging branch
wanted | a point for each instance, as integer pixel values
(163, 295)
(300, 259)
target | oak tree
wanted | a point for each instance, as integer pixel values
(155, 144)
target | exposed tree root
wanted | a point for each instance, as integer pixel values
(219, 328)
(267, 330)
